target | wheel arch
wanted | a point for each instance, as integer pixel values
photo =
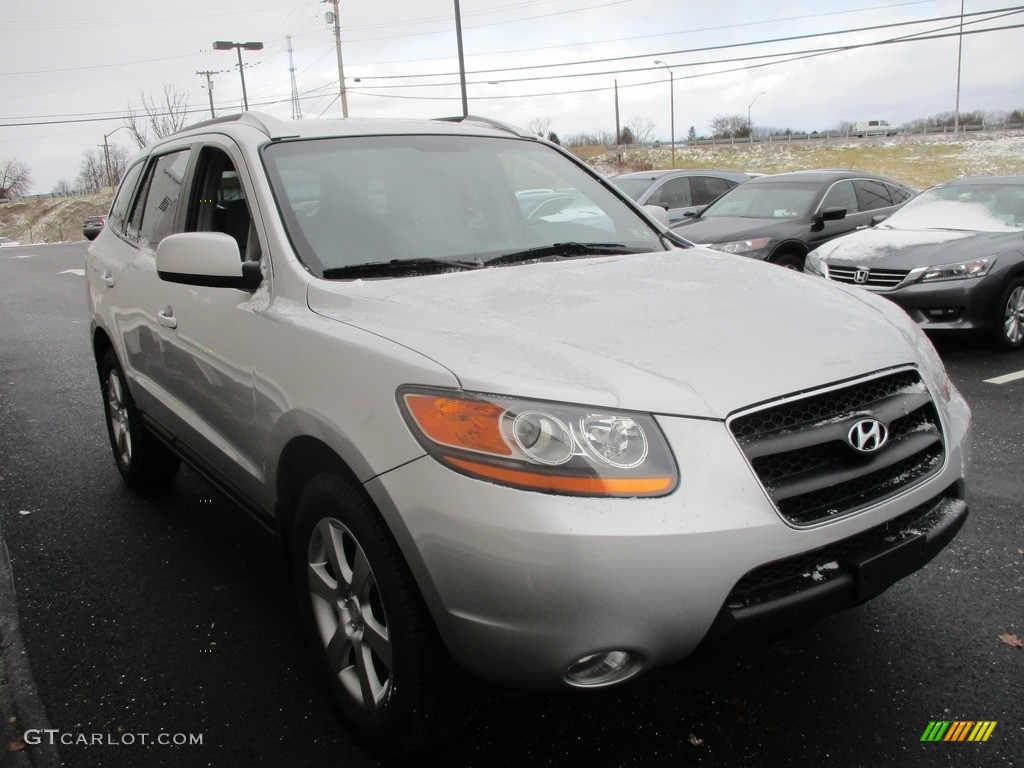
(786, 248)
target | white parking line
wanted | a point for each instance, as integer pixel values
(1006, 378)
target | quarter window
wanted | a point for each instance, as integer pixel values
(119, 208)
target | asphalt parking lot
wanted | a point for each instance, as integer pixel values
(172, 618)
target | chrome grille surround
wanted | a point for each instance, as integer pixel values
(798, 447)
(880, 279)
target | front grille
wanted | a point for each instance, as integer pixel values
(801, 451)
(871, 278)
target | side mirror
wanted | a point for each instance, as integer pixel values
(828, 214)
(879, 218)
(208, 259)
(657, 213)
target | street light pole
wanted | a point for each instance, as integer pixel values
(106, 153)
(225, 45)
(671, 106)
(750, 127)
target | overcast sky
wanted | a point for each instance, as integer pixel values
(70, 70)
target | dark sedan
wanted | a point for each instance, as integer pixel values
(92, 226)
(953, 258)
(782, 217)
(678, 192)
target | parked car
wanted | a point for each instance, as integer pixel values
(525, 450)
(678, 192)
(6, 241)
(781, 217)
(953, 258)
(92, 226)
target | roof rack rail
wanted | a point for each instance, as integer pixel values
(271, 126)
(490, 123)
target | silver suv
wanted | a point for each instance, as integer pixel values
(509, 427)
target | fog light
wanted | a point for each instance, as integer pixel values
(602, 669)
(945, 314)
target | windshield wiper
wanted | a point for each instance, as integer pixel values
(398, 267)
(563, 249)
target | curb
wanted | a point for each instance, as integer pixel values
(19, 700)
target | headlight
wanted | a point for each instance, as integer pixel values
(748, 247)
(961, 270)
(814, 264)
(541, 446)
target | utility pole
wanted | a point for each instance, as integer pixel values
(209, 86)
(296, 107)
(462, 60)
(341, 67)
(959, 56)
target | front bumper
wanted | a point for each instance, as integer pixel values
(521, 585)
(956, 305)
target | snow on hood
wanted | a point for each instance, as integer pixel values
(685, 332)
(907, 248)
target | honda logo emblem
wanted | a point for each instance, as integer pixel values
(861, 275)
(867, 436)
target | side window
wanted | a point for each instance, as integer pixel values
(899, 194)
(841, 195)
(119, 208)
(872, 194)
(218, 202)
(157, 202)
(704, 189)
(674, 193)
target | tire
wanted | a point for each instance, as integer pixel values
(375, 641)
(144, 462)
(1009, 327)
(789, 261)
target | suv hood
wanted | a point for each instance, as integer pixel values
(690, 332)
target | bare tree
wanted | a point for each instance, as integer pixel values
(730, 127)
(15, 178)
(540, 125)
(92, 172)
(162, 119)
(642, 129)
(63, 188)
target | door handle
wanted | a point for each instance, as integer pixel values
(107, 279)
(167, 318)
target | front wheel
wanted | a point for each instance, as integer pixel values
(790, 261)
(385, 663)
(1009, 329)
(143, 461)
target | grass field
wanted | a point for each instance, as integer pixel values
(918, 161)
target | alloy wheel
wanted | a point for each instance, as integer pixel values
(349, 614)
(1013, 318)
(117, 412)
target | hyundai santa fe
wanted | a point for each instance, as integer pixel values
(541, 446)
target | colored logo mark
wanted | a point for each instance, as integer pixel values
(958, 730)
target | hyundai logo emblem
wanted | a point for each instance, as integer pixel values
(861, 275)
(867, 436)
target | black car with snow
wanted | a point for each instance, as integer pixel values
(953, 258)
(782, 217)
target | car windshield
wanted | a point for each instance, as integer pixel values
(632, 187)
(968, 207)
(468, 200)
(766, 200)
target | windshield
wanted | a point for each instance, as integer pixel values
(964, 206)
(392, 199)
(632, 187)
(767, 200)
